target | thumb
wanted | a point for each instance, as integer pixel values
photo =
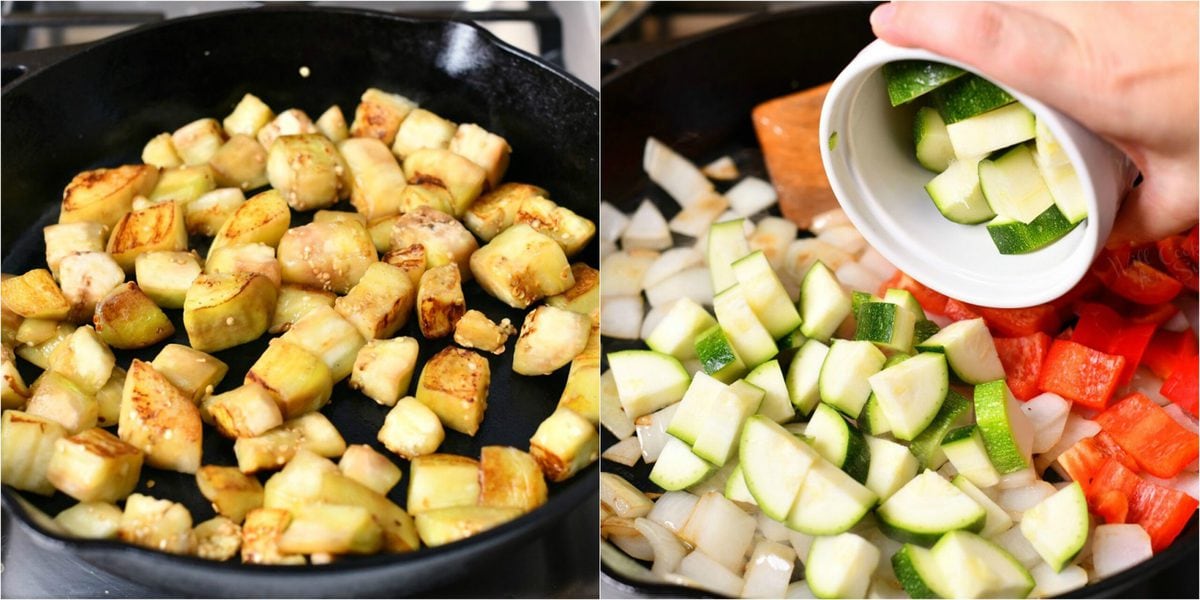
(1151, 212)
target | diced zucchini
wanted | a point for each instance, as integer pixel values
(774, 464)
(803, 376)
(969, 350)
(718, 437)
(892, 466)
(844, 375)
(887, 324)
(647, 381)
(992, 130)
(830, 501)
(753, 342)
(840, 566)
(678, 467)
(776, 404)
(1013, 185)
(934, 151)
(718, 356)
(726, 244)
(839, 442)
(911, 392)
(927, 507)
(766, 294)
(823, 303)
(965, 450)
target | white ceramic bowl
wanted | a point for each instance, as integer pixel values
(879, 184)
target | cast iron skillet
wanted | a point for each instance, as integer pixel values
(697, 98)
(99, 107)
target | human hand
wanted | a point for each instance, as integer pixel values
(1127, 71)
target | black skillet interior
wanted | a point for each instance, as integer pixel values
(697, 98)
(99, 107)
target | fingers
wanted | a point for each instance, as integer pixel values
(1003, 42)
(1152, 212)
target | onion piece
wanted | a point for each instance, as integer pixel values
(612, 416)
(646, 229)
(720, 529)
(674, 173)
(607, 248)
(751, 196)
(1181, 417)
(1118, 547)
(882, 587)
(668, 550)
(612, 222)
(692, 366)
(857, 277)
(771, 529)
(801, 543)
(873, 260)
(1015, 501)
(769, 570)
(1017, 479)
(722, 169)
(1076, 429)
(747, 224)
(1048, 414)
(621, 317)
(772, 235)
(695, 220)
(1145, 382)
(652, 432)
(845, 237)
(625, 536)
(834, 217)
(1178, 322)
(799, 589)
(1016, 544)
(625, 452)
(622, 498)
(694, 283)
(804, 252)
(1187, 482)
(709, 574)
(673, 509)
(1049, 584)
(669, 263)
(623, 272)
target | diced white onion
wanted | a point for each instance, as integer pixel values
(625, 536)
(673, 509)
(669, 263)
(612, 416)
(612, 222)
(844, 237)
(1017, 479)
(1145, 382)
(833, 217)
(804, 252)
(668, 550)
(625, 452)
(1016, 501)
(1187, 482)
(801, 543)
(857, 277)
(1181, 417)
(1178, 322)
(622, 498)
(674, 173)
(1050, 584)
(769, 570)
(695, 220)
(1076, 429)
(873, 260)
(751, 195)
(646, 229)
(722, 169)
(623, 272)
(694, 283)
(883, 588)
(652, 432)
(1048, 414)
(771, 529)
(710, 574)
(621, 317)
(772, 235)
(1018, 546)
(720, 529)
(799, 590)
(1118, 547)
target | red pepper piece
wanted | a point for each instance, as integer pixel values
(1083, 460)
(1161, 446)
(1178, 262)
(959, 311)
(1112, 506)
(1101, 328)
(1089, 287)
(1022, 358)
(1016, 322)
(930, 300)
(1081, 374)
(1162, 512)
(1182, 387)
(1166, 349)
(1133, 279)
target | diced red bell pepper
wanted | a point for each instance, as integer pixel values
(1083, 460)
(1087, 288)
(1162, 512)
(1182, 387)
(1160, 445)
(1192, 243)
(1022, 358)
(1112, 506)
(1177, 262)
(1081, 374)
(1101, 328)
(959, 311)
(1016, 322)
(1153, 314)
(1166, 349)
(1111, 449)
(930, 300)
(1134, 279)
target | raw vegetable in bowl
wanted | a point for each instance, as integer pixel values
(822, 425)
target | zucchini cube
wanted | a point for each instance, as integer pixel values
(165, 276)
(183, 185)
(65, 239)
(445, 525)
(108, 399)
(94, 466)
(440, 301)
(445, 239)
(241, 163)
(86, 278)
(422, 129)
(245, 411)
(35, 295)
(312, 432)
(483, 148)
(325, 333)
(294, 302)
(57, 398)
(245, 258)
(333, 529)
(550, 338)
(370, 468)
(250, 115)
(292, 121)
(426, 194)
(475, 330)
(496, 210)
(328, 256)
(217, 539)
(584, 296)
(84, 359)
(205, 215)
(160, 152)
(260, 538)
(375, 178)
(332, 124)
(307, 170)
(159, 227)
(128, 319)
(379, 115)
(263, 219)
(91, 520)
(13, 391)
(464, 179)
(197, 141)
(561, 224)
(411, 259)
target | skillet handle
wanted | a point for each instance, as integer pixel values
(20, 63)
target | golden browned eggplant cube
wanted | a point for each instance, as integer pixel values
(108, 399)
(332, 124)
(104, 195)
(442, 480)
(160, 420)
(383, 369)
(411, 429)
(440, 301)
(248, 410)
(86, 278)
(26, 447)
(35, 295)
(521, 266)
(39, 354)
(564, 443)
(409, 258)
(217, 539)
(128, 319)
(483, 148)
(380, 231)
(157, 524)
(294, 302)
(329, 256)
(241, 163)
(379, 115)
(376, 179)
(245, 258)
(495, 211)
(562, 224)
(232, 493)
(446, 525)
(160, 152)
(84, 359)
(445, 239)
(475, 330)
(464, 179)
(292, 121)
(550, 338)
(323, 332)
(197, 141)
(510, 477)
(195, 373)
(13, 391)
(297, 378)
(94, 465)
(91, 520)
(56, 398)
(250, 115)
(299, 481)
(159, 227)
(183, 185)
(205, 215)
(422, 129)
(223, 311)
(426, 194)
(65, 239)
(584, 296)
(379, 304)
(263, 219)
(307, 170)
(582, 392)
(260, 538)
(312, 432)
(370, 468)
(333, 529)
(165, 276)
(454, 384)
(336, 216)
